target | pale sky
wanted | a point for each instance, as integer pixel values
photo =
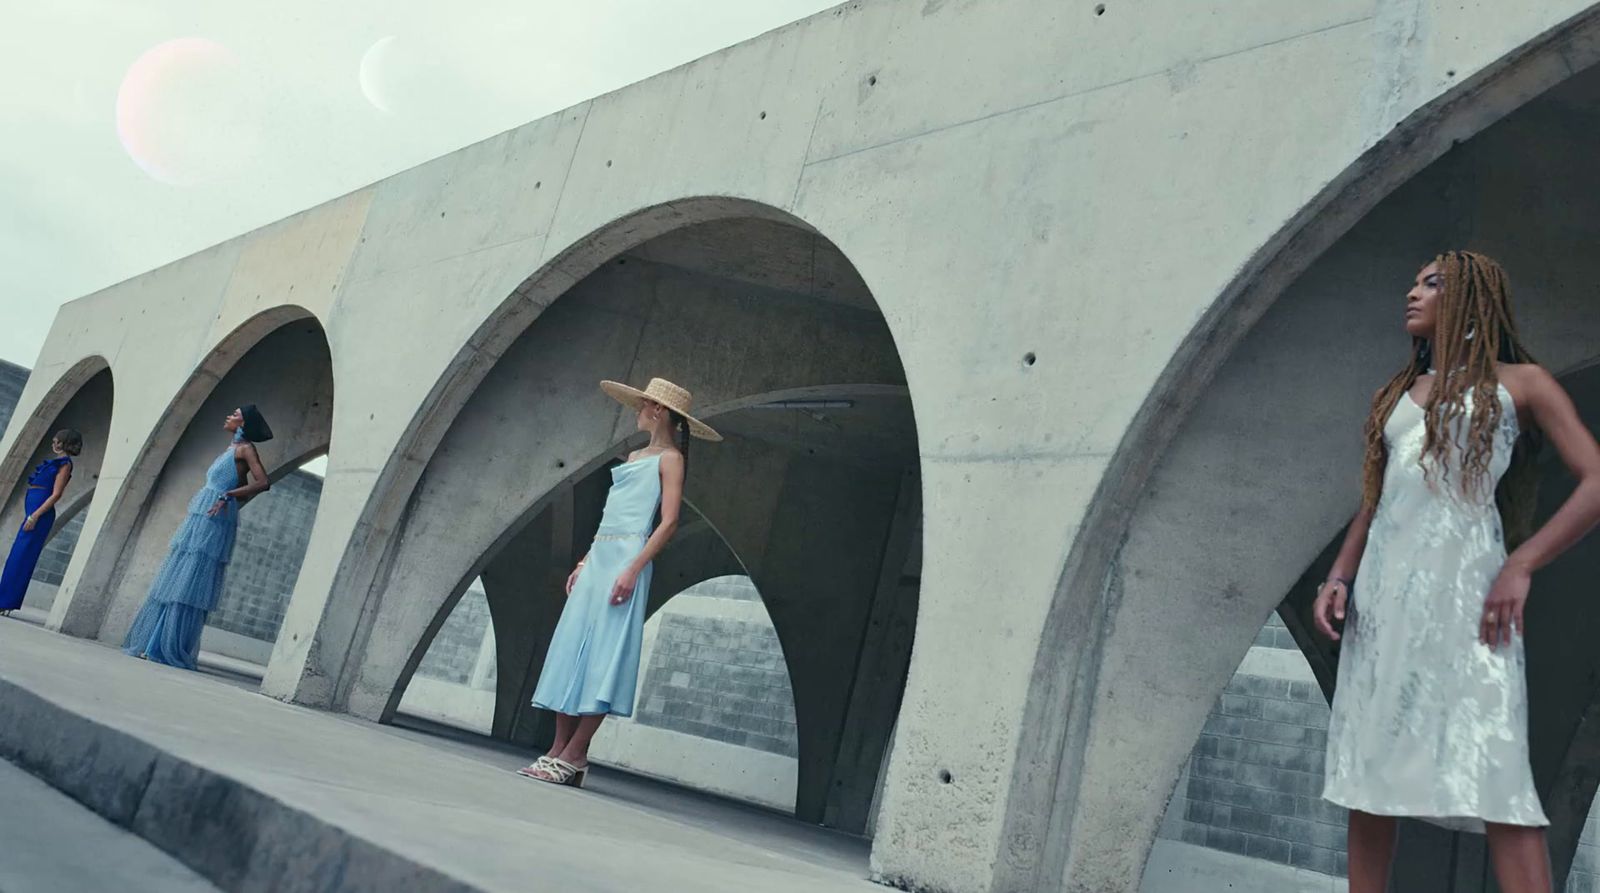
(135, 132)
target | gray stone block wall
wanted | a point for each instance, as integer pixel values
(1254, 784)
(274, 531)
(454, 652)
(12, 379)
(52, 564)
(720, 678)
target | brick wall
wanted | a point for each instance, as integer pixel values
(1254, 782)
(720, 678)
(12, 379)
(274, 531)
(454, 652)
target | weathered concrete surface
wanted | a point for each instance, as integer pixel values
(1263, 476)
(54, 845)
(249, 792)
(1068, 233)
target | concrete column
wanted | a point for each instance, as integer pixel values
(880, 676)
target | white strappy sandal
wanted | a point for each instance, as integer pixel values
(560, 772)
(540, 765)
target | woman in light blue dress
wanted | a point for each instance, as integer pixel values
(167, 628)
(591, 669)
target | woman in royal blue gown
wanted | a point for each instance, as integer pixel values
(167, 629)
(46, 486)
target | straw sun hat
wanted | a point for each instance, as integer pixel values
(665, 393)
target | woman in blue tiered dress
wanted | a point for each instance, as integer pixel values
(591, 669)
(167, 629)
(45, 488)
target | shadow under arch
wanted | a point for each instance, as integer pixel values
(285, 355)
(1115, 600)
(322, 676)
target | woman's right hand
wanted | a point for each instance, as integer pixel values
(1329, 607)
(572, 578)
(30, 523)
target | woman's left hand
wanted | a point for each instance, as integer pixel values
(622, 590)
(1502, 610)
(30, 523)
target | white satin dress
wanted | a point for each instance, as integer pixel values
(1427, 721)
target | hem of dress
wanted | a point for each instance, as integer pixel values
(1456, 821)
(603, 712)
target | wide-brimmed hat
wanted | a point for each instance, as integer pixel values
(664, 392)
(255, 427)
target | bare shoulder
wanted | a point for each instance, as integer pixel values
(672, 459)
(245, 450)
(1528, 381)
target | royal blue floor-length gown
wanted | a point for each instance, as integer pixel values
(29, 544)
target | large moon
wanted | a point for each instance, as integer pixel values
(374, 74)
(178, 108)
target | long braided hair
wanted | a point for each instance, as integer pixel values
(1473, 332)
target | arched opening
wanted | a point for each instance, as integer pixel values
(1242, 470)
(280, 362)
(715, 706)
(814, 496)
(82, 399)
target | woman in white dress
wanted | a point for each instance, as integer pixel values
(1430, 715)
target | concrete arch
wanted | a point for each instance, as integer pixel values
(690, 305)
(1217, 500)
(279, 359)
(312, 672)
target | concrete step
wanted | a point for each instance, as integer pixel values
(257, 795)
(53, 845)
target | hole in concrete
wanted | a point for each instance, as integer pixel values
(1451, 73)
(872, 80)
(608, 162)
(1028, 359)
(537, 183)
(1099, 9)
(560, 464)
(763, 116)
(441, 213)
(945, 777)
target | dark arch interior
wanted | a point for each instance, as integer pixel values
(814, 496)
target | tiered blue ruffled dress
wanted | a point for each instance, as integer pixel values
(29, 544)
(167, 629)
(592, 666)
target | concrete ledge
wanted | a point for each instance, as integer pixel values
(257, 795)
(234, 836)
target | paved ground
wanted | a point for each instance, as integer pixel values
(54, 845)
(449, 805)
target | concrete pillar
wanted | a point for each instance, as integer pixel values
(880, 675)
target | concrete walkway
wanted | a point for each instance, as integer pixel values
(259, 795)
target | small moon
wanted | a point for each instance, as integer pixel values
(374, 62)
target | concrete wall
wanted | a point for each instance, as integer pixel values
(12, 380)
(1069, 234)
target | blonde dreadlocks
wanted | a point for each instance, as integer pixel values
(1473, 332)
